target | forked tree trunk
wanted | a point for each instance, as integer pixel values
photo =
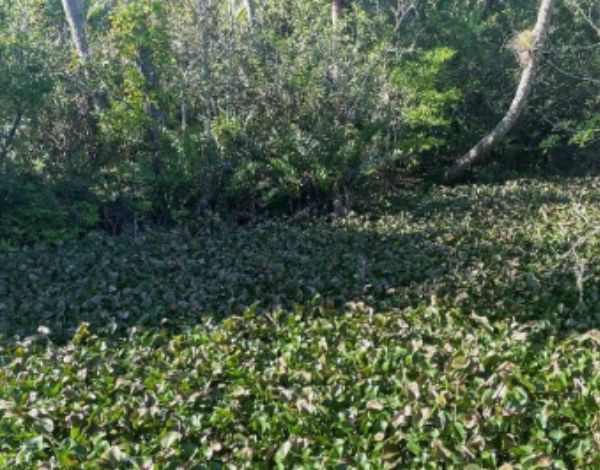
(74, 12)
(486, 144)
(404, 16)
(336, 12)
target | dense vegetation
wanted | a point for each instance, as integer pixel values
(173, 111)
(458, 329)
(229, 236)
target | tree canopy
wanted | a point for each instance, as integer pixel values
(117, 112)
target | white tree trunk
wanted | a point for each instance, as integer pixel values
(336, 12)
(486, 144)
(250, 11)
(74, 12)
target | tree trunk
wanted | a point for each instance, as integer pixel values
(8, 139)
(154, 112)
(96, 100)
(250, 11)
(404, 16)
(155, 130)
(206, 75)
(486, 144)
(74, 12)
(336, 12)
(486, 5)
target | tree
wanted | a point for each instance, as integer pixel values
(336, 11)
(530, 53)
(74, 12)
(250, 11)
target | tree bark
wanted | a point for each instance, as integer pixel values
(486, 5)
(154, 112)
(406, 14)
(485, 145)
(155, 129)
(8, 139)
(74, 12)
(207, 76)
(250, 11)
(336, 12)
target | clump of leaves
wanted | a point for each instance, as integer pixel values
(308, 387)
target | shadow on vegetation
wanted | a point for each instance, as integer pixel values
(494, 250)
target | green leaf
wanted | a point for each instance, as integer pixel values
(169, 439)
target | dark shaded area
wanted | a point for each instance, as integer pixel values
(479, 248)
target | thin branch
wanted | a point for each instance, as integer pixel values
(571, 75)
(587, 17)
(405, 16)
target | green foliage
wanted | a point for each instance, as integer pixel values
(23, 81)
(426, 100)
(458, 330)
(33, 212)
(588, 131)
(184, 109)
(387, 390)
(456, 333)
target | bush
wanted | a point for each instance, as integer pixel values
(34, 212)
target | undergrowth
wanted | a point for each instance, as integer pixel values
(457, 331)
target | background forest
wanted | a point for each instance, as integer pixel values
(150, 112)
